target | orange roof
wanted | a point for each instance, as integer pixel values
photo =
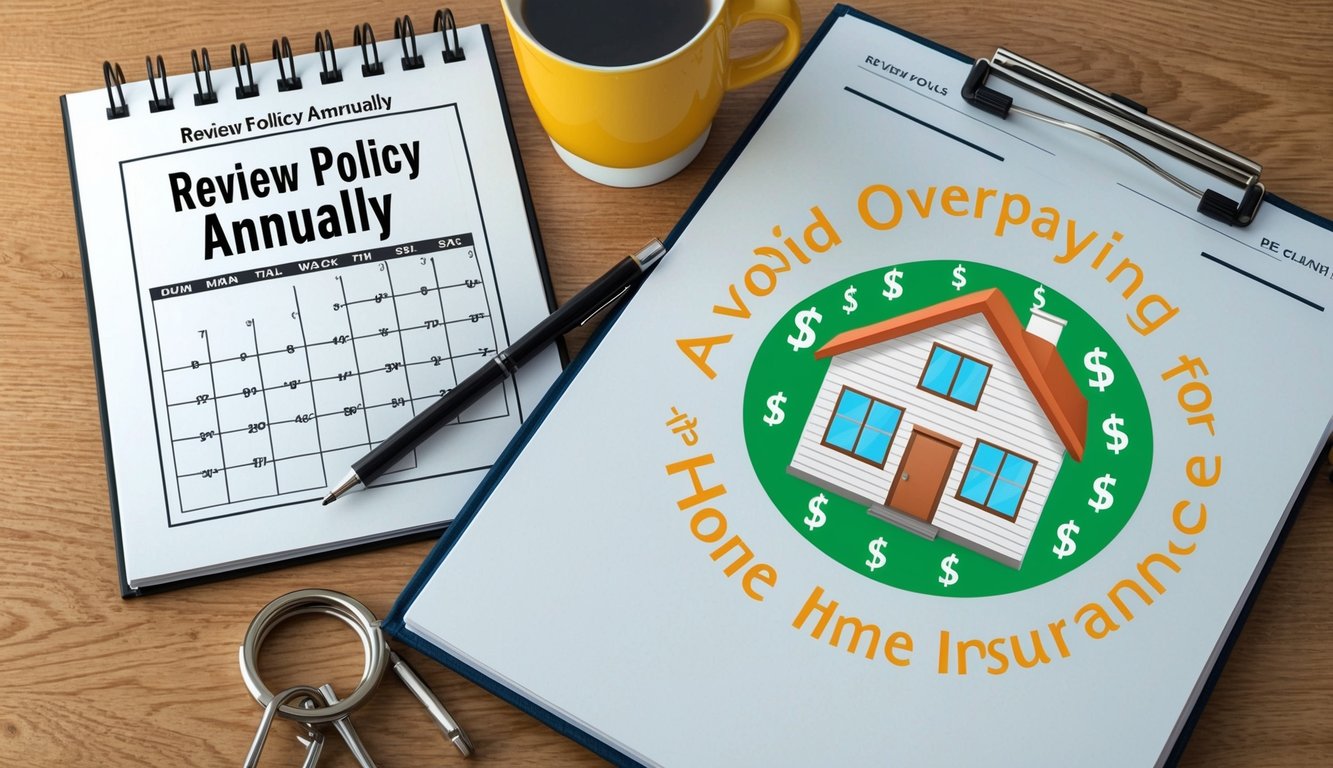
(1037, 360)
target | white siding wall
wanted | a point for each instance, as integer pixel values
(1008, 416)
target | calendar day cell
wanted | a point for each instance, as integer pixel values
(456, 267)
(365, 281)
(197, 454)
(242, 413)
(237, 375)
(301, 473)
(472, 344)
(231, 340)
(286, 403)
(337, 394)
(249, 464)
(372, 322)
(384, 420)
(429, 381)
(278, 328)
(332, 361)
(491, 405)
(323, 317)
(462, 302)
(379, 352)
(246, 442)
(254, 480)
(418, 310)
(279, 367)
(406, 463)
(337, 460)
(343, 429)
(193, 419)
(293, 438)
(293, 353)
(426, 345)
(201, 490)
(183, 385)
(410, 273)
(383, 374)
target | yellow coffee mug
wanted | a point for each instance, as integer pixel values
(635, 125)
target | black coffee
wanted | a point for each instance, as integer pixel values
(613, 33)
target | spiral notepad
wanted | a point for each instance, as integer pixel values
(285, 260)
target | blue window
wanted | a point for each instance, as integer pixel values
(996, 480)
(955, 376)
(863, 426)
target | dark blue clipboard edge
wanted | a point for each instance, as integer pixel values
(393, 622)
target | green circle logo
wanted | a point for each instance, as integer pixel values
(948, 428)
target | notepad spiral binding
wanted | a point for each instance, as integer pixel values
(363, 37)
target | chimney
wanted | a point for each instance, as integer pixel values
(1046, 326)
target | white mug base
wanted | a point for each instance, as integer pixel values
(633, 177)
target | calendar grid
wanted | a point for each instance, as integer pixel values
(371, 351)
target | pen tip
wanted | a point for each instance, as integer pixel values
(348, 483)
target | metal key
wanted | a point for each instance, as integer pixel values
(313, 747)
(437, 712)
(313, 740)
(348, 733)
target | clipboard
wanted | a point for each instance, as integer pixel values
(663, 639)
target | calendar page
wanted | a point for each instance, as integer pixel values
(274, 379)
(279, 282)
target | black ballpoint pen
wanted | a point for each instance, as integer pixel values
(573, 313)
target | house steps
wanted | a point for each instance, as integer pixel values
(906, 522)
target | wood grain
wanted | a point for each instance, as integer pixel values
(89, 679)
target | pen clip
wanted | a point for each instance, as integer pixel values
(647, 256)
(618, 295)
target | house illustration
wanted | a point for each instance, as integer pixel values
(950, 421)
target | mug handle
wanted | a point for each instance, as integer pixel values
(756, 66)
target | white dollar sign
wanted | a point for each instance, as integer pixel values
(950, 576)
(1066, 546)
(894, 290)
(1039, 297)
(1119, 440)
(803, 320)
(817, 518)
(1095, 362)
(877, 558)
(959, 279)
(1102, 487)
(775, 412)
(849, 296)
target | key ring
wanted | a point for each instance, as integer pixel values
(310, 714)
(303, 602)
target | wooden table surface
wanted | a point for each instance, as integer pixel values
(87, 678)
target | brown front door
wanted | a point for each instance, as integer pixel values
(919, 484)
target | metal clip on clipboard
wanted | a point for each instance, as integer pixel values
(1129, 118)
